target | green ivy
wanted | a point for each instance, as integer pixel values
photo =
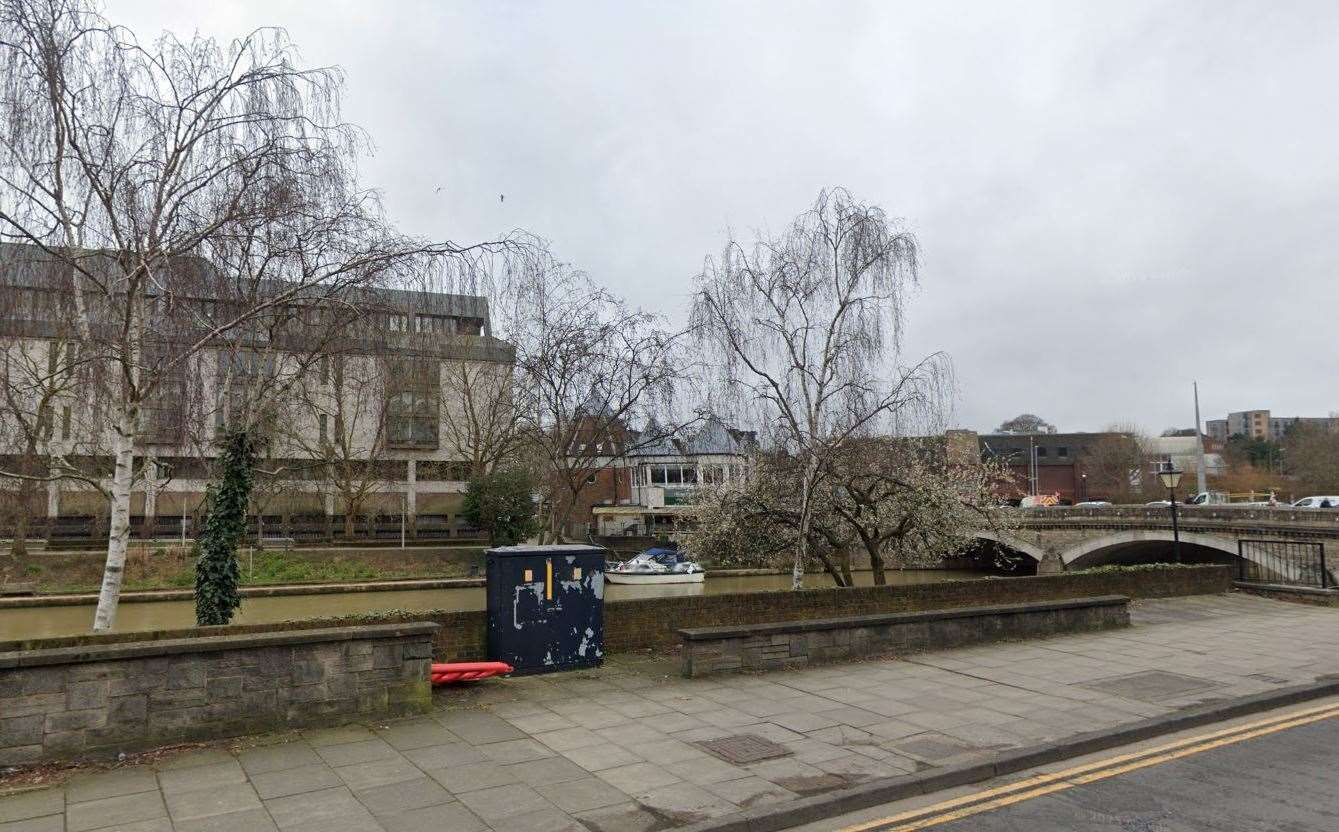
(216, 572)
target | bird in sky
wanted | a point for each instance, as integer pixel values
(501, 197)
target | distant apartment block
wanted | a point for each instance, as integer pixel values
(1261, 424)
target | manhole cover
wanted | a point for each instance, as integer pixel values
(744, 748)
(1152, 685)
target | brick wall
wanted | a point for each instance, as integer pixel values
(103, 698)
(708, 650)
(653, 622)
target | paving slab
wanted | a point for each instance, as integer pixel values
(291, 781)
(397, 798)
(113, 783)
(114, 811)
(219, 800)
(26, 805)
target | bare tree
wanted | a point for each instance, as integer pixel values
(594, 380)
(809, 329)
(480, 419)
(185, 181)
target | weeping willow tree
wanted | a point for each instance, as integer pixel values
(217, 574)
(808, 327)
(187, 198)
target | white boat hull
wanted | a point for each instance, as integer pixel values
(649, 578)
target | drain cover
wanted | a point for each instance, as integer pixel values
(1152, 685)
(743, 748)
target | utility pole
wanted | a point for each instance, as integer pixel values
(1200, 481)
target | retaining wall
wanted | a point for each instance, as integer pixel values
(708, 650)
(104, 697)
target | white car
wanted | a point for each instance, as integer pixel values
(1317, 502)
(1092, 504)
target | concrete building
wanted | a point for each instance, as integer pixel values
(1261, 424)
(1252, 424)
(378, 406)
(1183, 453)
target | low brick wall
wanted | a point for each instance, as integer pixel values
(758, 647)
(99, 699)
(654, 623)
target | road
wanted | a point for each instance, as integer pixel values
(1275, 772)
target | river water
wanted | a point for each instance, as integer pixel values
(41, 622)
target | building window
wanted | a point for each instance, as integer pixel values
(1041, 452)
(397, 323)
(592, 477)
(657, 475)
(65, 422)
(411, 404)
(1062, 451)
(435, 324)
(321, 420)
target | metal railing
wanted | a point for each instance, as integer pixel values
(1292, 562)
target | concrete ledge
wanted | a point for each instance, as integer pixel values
(788, 644)
(208, 644)
(820, 624)
(779, 816)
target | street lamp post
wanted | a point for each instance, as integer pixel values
(1171, 477)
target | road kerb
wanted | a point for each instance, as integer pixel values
(794, 813)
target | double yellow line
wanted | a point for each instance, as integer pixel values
(1044, 784)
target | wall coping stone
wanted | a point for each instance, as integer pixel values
(1295, 589)
(209, 644)
(876, 619)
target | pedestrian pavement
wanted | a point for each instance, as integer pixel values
(621, 748)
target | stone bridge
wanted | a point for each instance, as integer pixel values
(1062, 538)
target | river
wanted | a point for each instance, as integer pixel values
(56, 620)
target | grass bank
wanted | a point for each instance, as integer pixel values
(174, 568)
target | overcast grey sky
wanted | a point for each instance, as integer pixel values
(1113, 199)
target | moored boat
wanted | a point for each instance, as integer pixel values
(656, 566)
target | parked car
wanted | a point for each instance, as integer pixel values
(1092, 504)
(1317, 502)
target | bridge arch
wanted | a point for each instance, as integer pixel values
(1116, 541)
(1032, 550)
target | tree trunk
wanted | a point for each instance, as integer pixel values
(806, 520)
(876, 565)
(118, 538)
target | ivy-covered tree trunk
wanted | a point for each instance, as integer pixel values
(216, 572)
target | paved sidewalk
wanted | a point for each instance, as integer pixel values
(616, 750)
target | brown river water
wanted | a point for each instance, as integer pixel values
(39, 622)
